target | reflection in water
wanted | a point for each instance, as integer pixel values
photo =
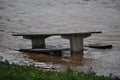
(75, 59)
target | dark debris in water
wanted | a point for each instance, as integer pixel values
(100, 46)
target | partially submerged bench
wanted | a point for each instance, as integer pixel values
(76, 39)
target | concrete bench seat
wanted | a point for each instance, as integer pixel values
(76, 39)
(50, 51)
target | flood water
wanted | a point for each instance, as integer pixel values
(19, 16)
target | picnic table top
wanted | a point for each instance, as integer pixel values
(50, 34)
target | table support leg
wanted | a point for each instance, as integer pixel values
(38, 43)
(76, 44)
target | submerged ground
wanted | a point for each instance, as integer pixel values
(18, 16)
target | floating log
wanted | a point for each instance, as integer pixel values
(100, 46)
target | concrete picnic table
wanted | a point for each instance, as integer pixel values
(76, 39)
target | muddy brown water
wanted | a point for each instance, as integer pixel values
(19, 16)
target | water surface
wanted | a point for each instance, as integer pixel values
(19, 16)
